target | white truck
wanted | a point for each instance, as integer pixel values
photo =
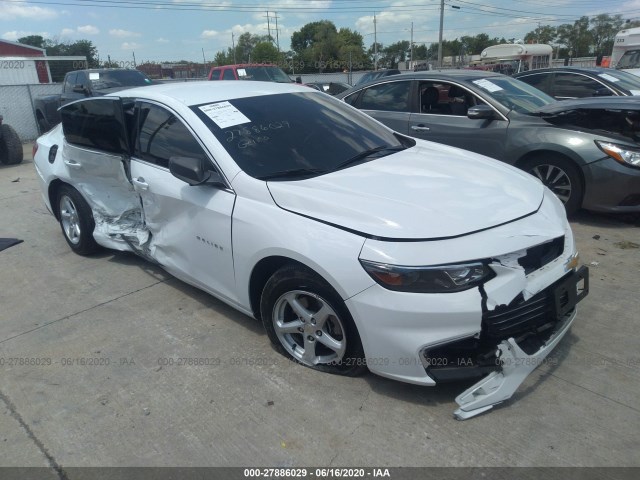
(519, 57)
(626, 51)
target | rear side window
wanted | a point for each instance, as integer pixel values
(390, 97)
(228, 75)
(538, 80)
(161, 135)
(215, 75)
(570, 85)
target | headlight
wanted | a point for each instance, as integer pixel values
(439, 279)
(621, 153)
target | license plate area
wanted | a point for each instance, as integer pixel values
(570, 292)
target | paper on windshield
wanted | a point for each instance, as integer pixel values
(606, 76)
(224, 114)
(94, 76)
(487, 85)
(242, 72)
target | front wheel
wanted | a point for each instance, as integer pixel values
(308, 322)
(76, 221)
(561, 177)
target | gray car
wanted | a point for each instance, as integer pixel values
(586, 151)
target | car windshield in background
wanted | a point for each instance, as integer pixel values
(295, 134)
(263, 74)
(630, 59)
(118, 79)
(624, 80)
(514, 94)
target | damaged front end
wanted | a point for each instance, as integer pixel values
(497, 332)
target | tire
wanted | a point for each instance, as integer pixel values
(291, 301)
(10, 146)
(76, 221)
(562, 177)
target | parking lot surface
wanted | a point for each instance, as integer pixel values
(109, 361)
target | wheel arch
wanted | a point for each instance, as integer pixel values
(542, 153)
(264, 269)
(54, 188)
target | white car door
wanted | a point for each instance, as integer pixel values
(190, 226)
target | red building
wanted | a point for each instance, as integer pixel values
(14, 49)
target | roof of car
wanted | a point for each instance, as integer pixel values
(594, 70)
(196, 93)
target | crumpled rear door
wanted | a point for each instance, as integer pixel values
(95, 155)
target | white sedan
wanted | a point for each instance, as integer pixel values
(357, 247)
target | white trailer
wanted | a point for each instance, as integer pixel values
(626, 51)
(520, 57)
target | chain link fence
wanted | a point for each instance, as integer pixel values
(17, 107)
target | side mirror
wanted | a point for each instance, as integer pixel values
(602, 92)
(298, 79)
(194, 171)
(481, 112)
(80, 89)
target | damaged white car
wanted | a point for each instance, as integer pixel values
(357, 247)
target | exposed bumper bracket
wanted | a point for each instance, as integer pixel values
(516, 366)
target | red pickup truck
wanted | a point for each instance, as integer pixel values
(250, 71)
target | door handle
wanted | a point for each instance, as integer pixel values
(140, 183)
(72, 163)
(420, 128)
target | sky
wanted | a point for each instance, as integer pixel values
(168, 30)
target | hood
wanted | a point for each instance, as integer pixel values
(425, 192)
(630, 103)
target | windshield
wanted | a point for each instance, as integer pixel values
(117, 79)
(624, 80)
(306, 132)
(630, 59)
(264, 74)
(514, 94)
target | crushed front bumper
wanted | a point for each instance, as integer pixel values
(515, 363)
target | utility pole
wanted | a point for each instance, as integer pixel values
(269, 26)
(375, 43)
(277, 32)
(134, 58)
(233, 46)
(411, 54)
(440, 35)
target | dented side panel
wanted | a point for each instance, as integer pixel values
(102, 180)
(190, 228)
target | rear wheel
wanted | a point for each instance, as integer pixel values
(308, 322)
(10, 146)
(561, 177)
(76, 221)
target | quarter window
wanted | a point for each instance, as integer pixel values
(162, 135)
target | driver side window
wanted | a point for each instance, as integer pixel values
(161, 135)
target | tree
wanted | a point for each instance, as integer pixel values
(33, 40)
(577, 38)
(542, 34)
(603, 31)
(265, 52)
(395, 53)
